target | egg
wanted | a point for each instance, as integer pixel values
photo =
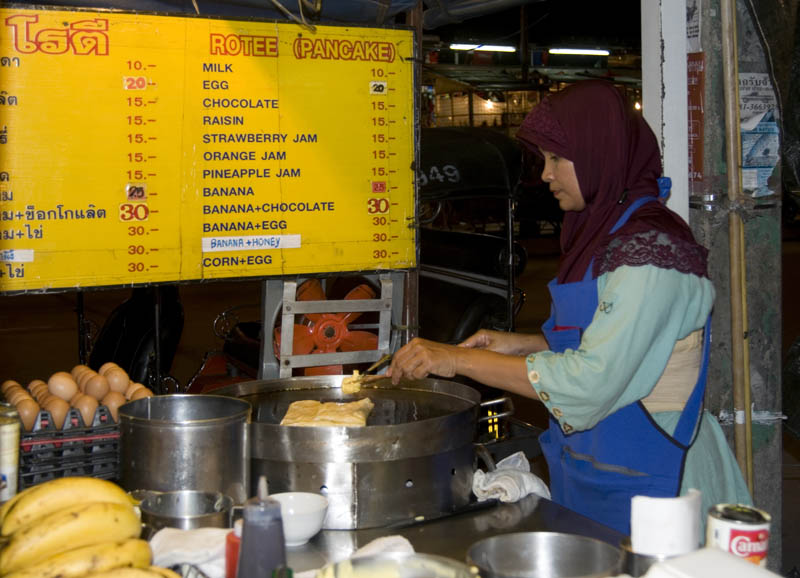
(87, 405)
(58, 409)
(15, 394)
(118, 379)
(97, 386)
(140, 393)
(36, 387)
(85, 377)
(132, 388)
(106, 366)
(28, 411)
(112, 401)
(78, 370)
(62, 385)
(34, 382)
(6, 384)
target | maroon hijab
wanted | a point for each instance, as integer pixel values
(617, 161)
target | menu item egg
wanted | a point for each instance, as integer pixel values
(140, 393)
(28, 411)
(97, 386)
(132, 388)
(87, 405)
(118, 379)
(106, 366)
(58, 409)
(112, 401)
(62, 385)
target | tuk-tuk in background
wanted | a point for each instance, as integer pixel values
(472, 190)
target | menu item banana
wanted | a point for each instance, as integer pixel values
(43, 499)
(69, 528)
(100, 557)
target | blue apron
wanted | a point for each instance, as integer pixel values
(596, 472)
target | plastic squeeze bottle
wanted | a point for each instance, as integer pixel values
(263, 548)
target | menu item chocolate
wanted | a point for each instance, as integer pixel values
(312, 413)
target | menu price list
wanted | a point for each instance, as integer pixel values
(139, 148)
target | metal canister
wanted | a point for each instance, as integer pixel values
(741, 530)
(9, 451)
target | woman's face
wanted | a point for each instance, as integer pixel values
(560, 174)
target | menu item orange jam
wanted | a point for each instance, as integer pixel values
(740, 530)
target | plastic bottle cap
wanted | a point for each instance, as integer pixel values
(237, 527)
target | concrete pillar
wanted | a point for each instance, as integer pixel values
(709, 212)
(664, 91)
(703, 202)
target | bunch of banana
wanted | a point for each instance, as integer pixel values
(73, 527)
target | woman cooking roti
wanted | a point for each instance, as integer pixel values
(621, 365)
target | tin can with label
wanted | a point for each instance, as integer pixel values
(9, 451)
(741, 530)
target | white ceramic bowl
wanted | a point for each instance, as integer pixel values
(302, 513)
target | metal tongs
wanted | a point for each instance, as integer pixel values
(368, 376)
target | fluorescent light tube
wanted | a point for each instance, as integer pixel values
(483, 47)
(579, 51)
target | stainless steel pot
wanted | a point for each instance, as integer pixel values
(414, 459)
(185, 442)
(187, 509)
(544, 555)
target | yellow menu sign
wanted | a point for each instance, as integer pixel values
(143, 148)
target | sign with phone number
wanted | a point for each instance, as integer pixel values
(143, 148)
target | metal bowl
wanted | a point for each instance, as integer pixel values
(400, 565)
(544, 555)
(187, 509)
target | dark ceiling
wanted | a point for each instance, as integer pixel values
(549, 22)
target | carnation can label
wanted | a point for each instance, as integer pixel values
(9, 451)
(741, 530)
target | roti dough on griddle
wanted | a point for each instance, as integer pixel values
(311, 413)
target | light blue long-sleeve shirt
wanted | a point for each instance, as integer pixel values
(642, 312)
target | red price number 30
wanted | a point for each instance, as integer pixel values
(133, 212)
(379, 206)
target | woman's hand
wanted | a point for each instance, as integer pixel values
(420, 357)
(504, 342)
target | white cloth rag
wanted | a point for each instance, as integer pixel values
(381, 545)
(511, 481)
(203, 547)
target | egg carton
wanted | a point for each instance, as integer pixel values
(105, 472)
(73, 420)
(76, 449)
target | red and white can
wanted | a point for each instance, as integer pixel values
(741, 530)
